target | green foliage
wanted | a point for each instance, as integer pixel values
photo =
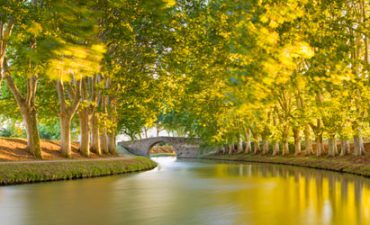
(12, 128)
(283, 65)
(208, 68)
(50, 131)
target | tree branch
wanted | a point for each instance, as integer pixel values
(60, 91)
(13, 88)
(33, 89)
(76, 100)
(9, 29)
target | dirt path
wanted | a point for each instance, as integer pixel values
(14, 150)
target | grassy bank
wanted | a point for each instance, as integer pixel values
(347, 164)
(39, 171)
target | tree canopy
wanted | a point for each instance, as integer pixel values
(229, 72)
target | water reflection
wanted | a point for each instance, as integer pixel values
(299, 196)
(191, 192)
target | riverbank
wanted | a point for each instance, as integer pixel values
(346, 164)
(54, 170)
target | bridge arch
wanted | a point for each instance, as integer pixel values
(184, 147)
(161, 144)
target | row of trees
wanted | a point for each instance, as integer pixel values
(264, 71)
(82, 63)
(275, 73)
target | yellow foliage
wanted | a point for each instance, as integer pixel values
(242, 59)
(35, 28)
(75, 61)
(305, 50)
(169, 3)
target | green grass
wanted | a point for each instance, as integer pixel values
(29, 172)
(347, 164)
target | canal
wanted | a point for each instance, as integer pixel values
(194, 192)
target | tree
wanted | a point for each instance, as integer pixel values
(25, 48)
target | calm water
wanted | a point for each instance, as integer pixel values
(204, 193)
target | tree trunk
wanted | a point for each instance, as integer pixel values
(95, 139)
(104, 141)
(344, 147)
(226, 148)
(307, 140)
(297, 141)
(146, 132)
(240, 145)
(28, 111)
(285, 140)
(66, 113)
(88, 96)
(65, 133)
(265, 147)
(84, 132)
(319, 145)
(112, 143)
(248, 146)
(276, 149)
(358, 145)
(332, 146)
(285, 148)
(335, 147)
(2, 71)
(256, 146)
(158, 130)
(33, 138)
(6, 32)
(231, 149)
(110, 109)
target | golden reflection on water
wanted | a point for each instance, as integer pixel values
(300, 196)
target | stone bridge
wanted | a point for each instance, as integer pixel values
(184, 147)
